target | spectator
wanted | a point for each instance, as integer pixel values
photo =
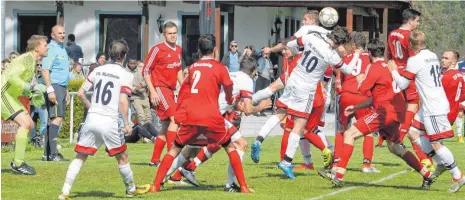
(55, 72)
(74, 51)
(39, 112)
(76, 72)
(139, 98)
(12, 55)
(231, 59)
(4, 63)
(100, 59)
(265, 74)
(249, 52)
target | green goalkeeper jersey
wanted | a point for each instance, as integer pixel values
(17, 73)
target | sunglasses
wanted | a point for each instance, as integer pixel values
(233, 46)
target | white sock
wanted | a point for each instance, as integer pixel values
(424, 144)
(459, 126)
(128, 177)
(231, 175)
(178, 161)
(197, 161)
(268, 126)
(445, 157)
(292, 144)
(262, 94)
(73, 171)
(305, 150)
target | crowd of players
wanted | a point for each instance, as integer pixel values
(402, 90)
(396, 91)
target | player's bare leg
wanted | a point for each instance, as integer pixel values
(25, 125)
(272, 122)
(441, 154)
(293, 142)
(165, 165)
(459, 126)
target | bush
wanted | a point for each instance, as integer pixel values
(73, 86)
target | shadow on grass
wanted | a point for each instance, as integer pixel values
(202, 187)
(100, 194)
(282, 176)
(402, 187)
(386, 164)
(142, 164)
(7, 171)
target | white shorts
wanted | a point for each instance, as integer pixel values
(437, 127)
(298, 98)
(98, 130)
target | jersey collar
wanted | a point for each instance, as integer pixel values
(174, 49)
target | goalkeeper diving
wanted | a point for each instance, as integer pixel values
(16, 81)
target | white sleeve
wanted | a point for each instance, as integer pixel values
(305, 29)
(348, 68)
(400, 80)
(126, 84)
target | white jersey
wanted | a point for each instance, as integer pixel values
(425, 68)
(108, 81)
(316, 58)
(242, 87)
(306, 29)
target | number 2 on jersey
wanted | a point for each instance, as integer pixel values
(196, 78)
(105, 92)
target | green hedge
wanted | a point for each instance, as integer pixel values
(73, 86)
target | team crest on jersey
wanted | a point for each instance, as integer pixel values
(169, 55)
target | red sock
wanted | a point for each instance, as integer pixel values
(237, 167)
(367, 151)
(338, 145)
(345, 157)
(157, 149)
(163, 169)
(315, 140)
(284, 140)
(403, 133)
(176, 176)
(380, 141)
(421, 155)
(170, 137)
(413, 162)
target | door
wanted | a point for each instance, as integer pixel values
(31, 25)
(127, 27)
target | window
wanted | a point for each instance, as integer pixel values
(286, 28)
(128, 27)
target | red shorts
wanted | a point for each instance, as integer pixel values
(411, 94)
(166, 106)
(313, 120)
(281, 105)
(347, 99)
(382, 122)
(203, 136)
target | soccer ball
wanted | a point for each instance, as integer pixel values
(328, 17)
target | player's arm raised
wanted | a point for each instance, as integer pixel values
(346, 68)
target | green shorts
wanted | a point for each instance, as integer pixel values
(11, 106)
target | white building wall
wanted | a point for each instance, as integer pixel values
(252, 24)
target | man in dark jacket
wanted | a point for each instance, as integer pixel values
(74, 51)
(231, 58)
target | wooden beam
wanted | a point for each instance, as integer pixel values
(320, 4)
(218, 30)
(385, 25)
(145, 13)
(350, 20)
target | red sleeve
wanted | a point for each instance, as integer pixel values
(407, 74)
(300, 42)
(126, 90)
(149, 61)
(245, 94)
(369, 81)
(462, 90)
(338, 82)
(365, 62)
(329, 72)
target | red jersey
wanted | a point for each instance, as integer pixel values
(399, 47)
(288, 66)
(453, 82)
(201, 104)
(384, 91)
(162, 64)
(349, 81)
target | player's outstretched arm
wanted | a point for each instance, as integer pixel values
(367, 103)
(249, 108)
(401, 81)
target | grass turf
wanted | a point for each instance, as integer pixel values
(99, 177)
